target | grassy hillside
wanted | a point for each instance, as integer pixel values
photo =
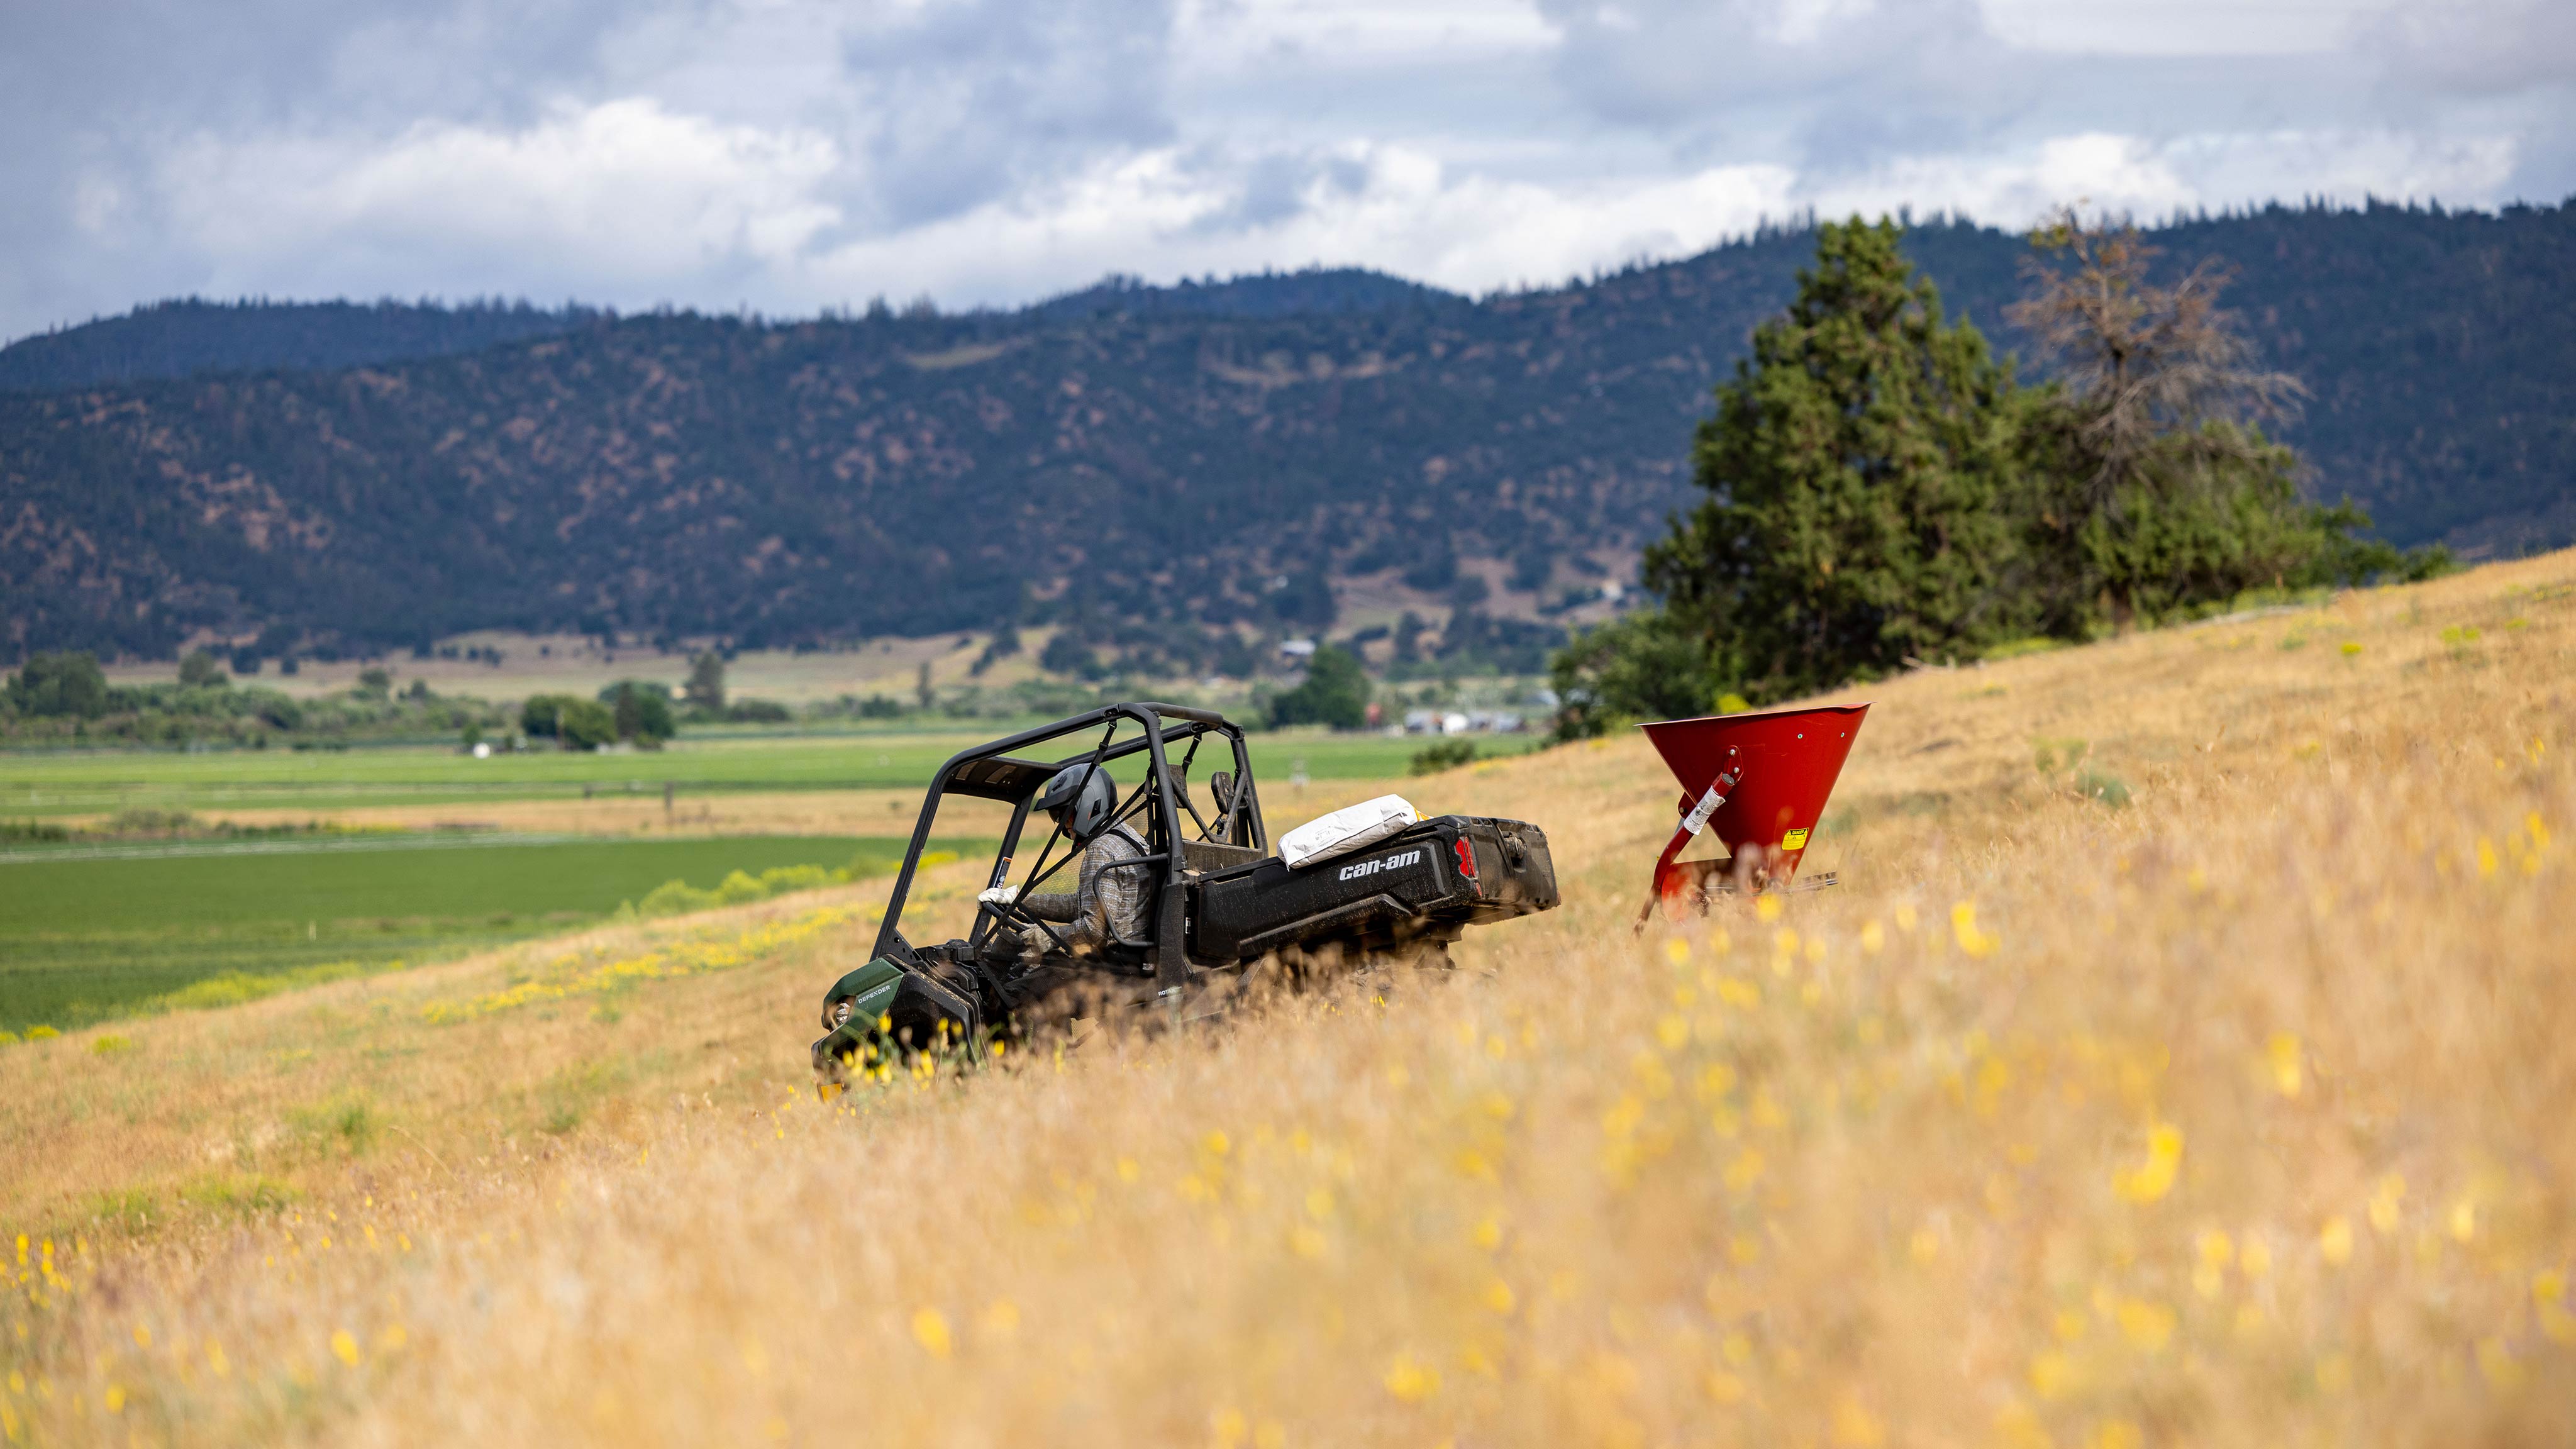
(2235, 1114)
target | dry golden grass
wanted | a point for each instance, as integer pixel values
(2237, 1115)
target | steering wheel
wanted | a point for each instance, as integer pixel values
(1008, 915)
(1219, 827)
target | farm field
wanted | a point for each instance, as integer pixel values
(2224, 1107)
(220, 784)
(92, 933)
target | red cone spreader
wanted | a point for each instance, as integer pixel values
(1760, 781)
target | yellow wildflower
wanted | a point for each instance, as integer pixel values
(2497, 1363)
(1855, 1427)
(1963, 925)
(2154, 1178)
(1411, 1380)
(2117, 1434)
(2283, 1051)
(2256, 1258)
(2147, 1325)
(2334, 1241)
(1745, 1170)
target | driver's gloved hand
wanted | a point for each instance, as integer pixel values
(997, 896)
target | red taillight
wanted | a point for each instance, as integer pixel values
(1466, 858)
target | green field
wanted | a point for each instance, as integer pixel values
(93, 933)
(39, 784)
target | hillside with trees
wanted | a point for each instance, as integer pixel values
(1882, 492)
(1156, 469)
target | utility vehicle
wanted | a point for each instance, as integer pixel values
(1223, 911)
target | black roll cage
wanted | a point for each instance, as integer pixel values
(993, 772)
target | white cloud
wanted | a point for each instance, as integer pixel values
(2180, 27)
(624, 193)
(800, 153)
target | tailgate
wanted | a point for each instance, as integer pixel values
(1247, 911)
(1441, 874)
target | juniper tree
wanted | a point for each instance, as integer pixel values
(1861, 479)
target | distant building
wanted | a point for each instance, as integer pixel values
(1296, 651)
(1453, 722)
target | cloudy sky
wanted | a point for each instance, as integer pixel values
(790, 155)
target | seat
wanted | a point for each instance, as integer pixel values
(1205, 857)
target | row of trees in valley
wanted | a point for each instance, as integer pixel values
(64, 697)
(1881, 490)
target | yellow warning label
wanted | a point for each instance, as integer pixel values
(1794, 840)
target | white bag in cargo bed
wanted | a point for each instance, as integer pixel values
(1350, 828)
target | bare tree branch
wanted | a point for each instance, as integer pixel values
(2144, 367)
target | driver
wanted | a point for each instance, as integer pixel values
(1108, 901)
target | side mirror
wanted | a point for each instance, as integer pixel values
(1221, 785)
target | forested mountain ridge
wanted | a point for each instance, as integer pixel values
(191, 336)
(187, 336)
(1141, 462)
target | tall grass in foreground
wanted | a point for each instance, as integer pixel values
(2239, 1115)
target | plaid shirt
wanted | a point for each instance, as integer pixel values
(1107, 904)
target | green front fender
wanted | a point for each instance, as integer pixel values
(869, 991)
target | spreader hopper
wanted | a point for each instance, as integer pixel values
(1760, 781)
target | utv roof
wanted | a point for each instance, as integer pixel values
(990, 772)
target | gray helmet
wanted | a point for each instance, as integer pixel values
(1081, 797)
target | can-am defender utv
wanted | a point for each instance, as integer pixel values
(1221, 900)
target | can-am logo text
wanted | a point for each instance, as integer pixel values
(1372, 867)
